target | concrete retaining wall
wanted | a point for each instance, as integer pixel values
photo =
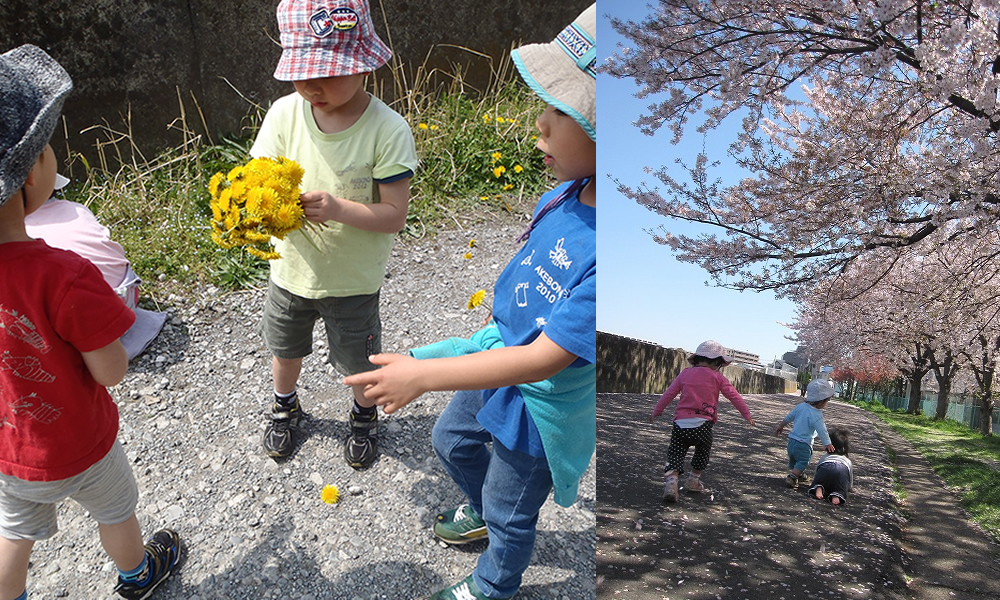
(626, 365)
(133, 56)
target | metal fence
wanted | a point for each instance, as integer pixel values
(962, 409)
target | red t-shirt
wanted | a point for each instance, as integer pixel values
(55, 420)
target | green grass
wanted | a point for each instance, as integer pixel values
(158, 210)
(968, 462)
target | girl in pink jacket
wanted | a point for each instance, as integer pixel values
(697, 411)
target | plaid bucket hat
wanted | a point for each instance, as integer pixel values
(327, 38)
(32, 89)
(563, 72)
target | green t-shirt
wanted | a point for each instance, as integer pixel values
(339, 260)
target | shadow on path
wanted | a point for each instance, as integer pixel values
(950, 557)
(748, 535)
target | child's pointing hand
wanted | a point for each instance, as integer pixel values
(393, 386)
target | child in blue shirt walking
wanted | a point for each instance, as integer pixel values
(808, 424)
(527, 379)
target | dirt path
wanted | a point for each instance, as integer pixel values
(749, 536)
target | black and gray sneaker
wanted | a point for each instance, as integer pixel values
(361, 447)
(278, 440)
(163, 550)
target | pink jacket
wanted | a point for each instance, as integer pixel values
(699, 388)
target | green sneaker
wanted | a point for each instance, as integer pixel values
(463, 590)
(459, 526)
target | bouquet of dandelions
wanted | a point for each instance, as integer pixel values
(255, 202)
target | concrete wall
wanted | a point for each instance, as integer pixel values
(625, 365)
(134, 55)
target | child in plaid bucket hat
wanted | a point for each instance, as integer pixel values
(526, 423)
(358, 156)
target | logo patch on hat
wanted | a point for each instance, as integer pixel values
(324, 22)
(580, 47)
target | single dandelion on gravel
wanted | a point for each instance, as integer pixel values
(330, 494)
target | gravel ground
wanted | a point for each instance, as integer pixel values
(193, 409)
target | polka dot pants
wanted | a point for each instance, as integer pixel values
(681, 439)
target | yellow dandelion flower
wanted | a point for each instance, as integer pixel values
(484, 197)
(499, 171)
(518, 168)
(496, 156)
(261, 254)
(500, 120)
(472, 243)
(330, 494)
(433, 127)
(234, 173)
(256, 237)
(239, 191)
(486, 118)
(215, 183)
(224, 200)
(269, 202)
(468, 256)
(287, 216)
(422, 126)
(508, 187)
(476, 299)
(254, 200)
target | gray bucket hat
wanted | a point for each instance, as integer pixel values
(563, 72)
(32, 89)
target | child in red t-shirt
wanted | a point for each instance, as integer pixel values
(60, 325)
(697, 411)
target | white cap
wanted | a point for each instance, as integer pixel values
(61, 182)
(819, 390)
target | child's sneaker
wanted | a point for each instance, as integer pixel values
(670, 489)
(792, 481)
(694, 485)
(278, 442)
(463, 590)
(460, 526)
(163, 550)
(361, 447)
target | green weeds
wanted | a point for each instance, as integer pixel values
(968, 462)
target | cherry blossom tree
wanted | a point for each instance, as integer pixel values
(889, 147)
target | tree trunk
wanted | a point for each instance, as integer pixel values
(943, 372)
(986, 403)
(944, 391)
(918, 367)
(913, 406)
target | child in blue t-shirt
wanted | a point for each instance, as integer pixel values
(528, 378)
(808, 424)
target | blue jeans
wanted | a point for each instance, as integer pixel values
(506, 487)
(799, 454)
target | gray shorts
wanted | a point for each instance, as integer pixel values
(353, 327)
(106, 490)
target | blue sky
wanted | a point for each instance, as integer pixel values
(643, 292)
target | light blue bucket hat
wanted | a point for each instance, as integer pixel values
(32, 89)
(564, 71)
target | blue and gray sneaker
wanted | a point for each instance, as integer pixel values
(460, 526)
(163, 551)
(463, 590)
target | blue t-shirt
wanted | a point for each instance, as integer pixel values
(550, 286)
(808, 424)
